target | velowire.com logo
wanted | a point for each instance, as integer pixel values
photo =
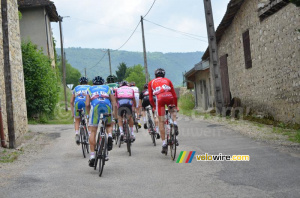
(206, 157)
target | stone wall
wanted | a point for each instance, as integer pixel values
(272, 85)
(17, 76)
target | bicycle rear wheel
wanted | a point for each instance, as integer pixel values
(97, 151)
(128, 140)
(153, 135)
(172, 143)
(87, 146)
(102, 152)
(82, 141)
(117, 133)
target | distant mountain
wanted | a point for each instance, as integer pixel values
(173, 63)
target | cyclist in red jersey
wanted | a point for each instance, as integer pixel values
(165, 94)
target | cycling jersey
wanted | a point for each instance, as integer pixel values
(100, 103)
(164, 91)
(113, 87)
(80, 92)
(124, 96)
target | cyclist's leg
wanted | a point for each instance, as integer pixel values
(93, 124)
(105, 107)
(79, 104)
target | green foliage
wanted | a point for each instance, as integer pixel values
(72, 74)
(121, 72)
(186, 102)
(40, 81)
(136, 74)
(20, 15)
(296, 2)
(173, 63)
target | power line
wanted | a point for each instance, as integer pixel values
(183, 33)
(149, 9)
(98, 61)
(129, 36)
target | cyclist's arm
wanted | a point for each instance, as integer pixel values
(87, 104)
(151, 95)
(173, 93)
(72, 104)
(114, 104)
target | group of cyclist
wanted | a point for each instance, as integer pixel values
(111, 98)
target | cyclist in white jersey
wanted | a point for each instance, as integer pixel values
(137, 96)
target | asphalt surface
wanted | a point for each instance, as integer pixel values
(59, 170)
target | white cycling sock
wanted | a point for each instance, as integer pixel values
(109, 135)
(145, 119)
(157, 129)
(121, 129)
(175, 122)
(92, 155)
(131, 129)
(164, 142)
(76, 131)
(89, 132)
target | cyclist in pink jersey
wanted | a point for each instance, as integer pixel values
(125, 103)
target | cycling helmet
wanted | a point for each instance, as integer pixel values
(110, 79)
(160, 72)
(98, 80)
(132, 84)
(123, 83)
(83, 80)
(146, 86)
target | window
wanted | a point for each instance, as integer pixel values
(266, 9)
(247, 50)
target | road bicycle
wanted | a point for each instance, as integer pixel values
(126, 137)
(84, 135)
(151, 126)
(101, 144)
(116, 132)
(136, 124)
(171, 136)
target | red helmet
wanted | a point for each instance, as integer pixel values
(132, 84)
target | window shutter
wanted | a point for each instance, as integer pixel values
(247, 50)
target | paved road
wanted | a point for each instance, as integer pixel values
(59, 170)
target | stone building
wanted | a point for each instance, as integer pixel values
(12, 90)
(35, 24)
(259, 51)
(198, 78)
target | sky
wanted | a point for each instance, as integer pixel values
(108, 24)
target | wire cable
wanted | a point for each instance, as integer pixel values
(129, 36)
(184, 33)
(98, 61)
(149, 9)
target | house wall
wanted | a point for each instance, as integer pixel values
(17, 76)
(35, 26)
(272, 85)
(200, 103)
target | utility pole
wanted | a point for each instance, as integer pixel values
(63, 64)
(214, 58)
(85, 72)
(65, 83)
(144, 49)
(7, 75)
(109, 61)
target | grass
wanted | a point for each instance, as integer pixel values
(10, 156)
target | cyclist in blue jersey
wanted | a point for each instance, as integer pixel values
(78, 102)
(99, 100)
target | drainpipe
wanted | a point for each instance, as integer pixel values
(1, 129)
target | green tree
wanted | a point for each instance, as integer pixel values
(72, 74)
(136, 74)
(296, 2)
(121, 72)
(40, 81)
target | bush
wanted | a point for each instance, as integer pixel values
(40, 81)
(186, 101)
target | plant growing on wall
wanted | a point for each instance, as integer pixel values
(40, 81)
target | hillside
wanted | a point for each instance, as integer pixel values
(173, 63)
